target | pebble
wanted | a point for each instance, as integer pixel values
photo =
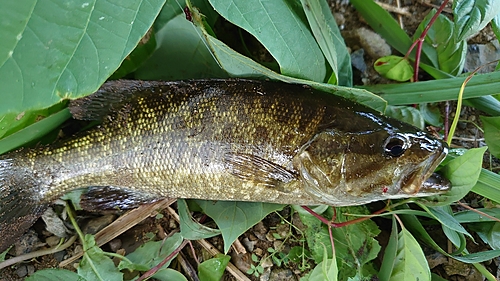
(280, 274)
(52, 241)
(24, 270)
(95, 225)
(115, 244)
(373, 44)
(480, 55)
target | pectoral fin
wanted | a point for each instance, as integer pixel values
(256, 169)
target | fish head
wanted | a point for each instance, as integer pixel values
(352, 168)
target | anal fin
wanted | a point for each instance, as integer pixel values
(112, 198)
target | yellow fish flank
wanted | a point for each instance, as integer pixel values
(222, 140)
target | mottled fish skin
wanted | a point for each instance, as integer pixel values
(221, 140)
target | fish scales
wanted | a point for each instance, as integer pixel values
(222, 140)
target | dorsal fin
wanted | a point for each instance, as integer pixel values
(111, 97)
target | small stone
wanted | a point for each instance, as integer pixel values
(95, 225)
(374, 45)
(28, 243)
(59, 256)
(115, 244)
(249, 245)
(242, 261)
(54, 224)
(339, 19)
(53, 241)
(25, 270)
(260, 231)
(281, 274)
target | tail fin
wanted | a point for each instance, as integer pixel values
(21, 202)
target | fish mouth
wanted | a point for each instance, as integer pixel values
(423, 179)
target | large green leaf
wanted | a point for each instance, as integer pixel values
(276, 25)
(437, 90)
(213, 269)
(53, 274)
(234, 218)
(54, 50)
(390, 253)
(181, 54)
(450, 54)
(95, 265)
(355, 245)
(191, 229)
(327, 34)
(492, 134)
(237, 65)
(410, 262)
(151, 254)
(472, 16)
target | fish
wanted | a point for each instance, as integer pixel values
(226, 139)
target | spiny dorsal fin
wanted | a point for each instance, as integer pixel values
(254, 168)
(111, 97)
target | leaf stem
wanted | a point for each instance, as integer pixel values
(421, 40)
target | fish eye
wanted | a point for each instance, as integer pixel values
(395, 146)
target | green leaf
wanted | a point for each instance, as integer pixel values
(325, 270)
(442, 214)
(213, 269)
(492, 134)
(142, 52)
(410, 261)
(55, 50)
(53, 274)
(450, 54)
(278, 28)
(181, 54)
(151, 254)
(478, 257)
(463, 172)
(191, 229)
(168, 274)
(394, 67)
(327, 34)
(95, 265)
(437, 90)
(234, 218)
(238, 65)
(390, 254)
(406, 114)
(476, 216)
(488, 232)
(355, 245)
(488, 185)
(34, 131)
(472, 16)
(431, 114)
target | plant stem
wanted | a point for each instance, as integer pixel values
(421, 39)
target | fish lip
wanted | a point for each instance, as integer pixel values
(427, 183)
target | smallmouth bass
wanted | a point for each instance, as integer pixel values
(222, 140)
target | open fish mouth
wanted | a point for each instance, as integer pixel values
(424, 180)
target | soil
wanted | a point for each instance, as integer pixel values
(259, 238)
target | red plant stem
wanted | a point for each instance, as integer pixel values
(155, 269)
(341, 224)
(421, 39)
